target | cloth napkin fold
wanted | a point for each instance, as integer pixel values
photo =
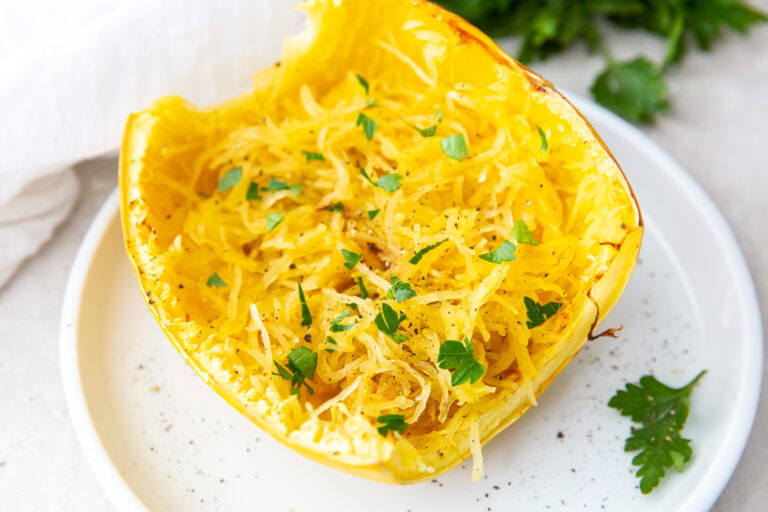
(72, 74)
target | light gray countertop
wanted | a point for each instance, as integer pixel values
(718, 131)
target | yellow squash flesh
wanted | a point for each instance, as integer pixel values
(422, 67)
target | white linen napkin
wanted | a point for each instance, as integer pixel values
(71, 72)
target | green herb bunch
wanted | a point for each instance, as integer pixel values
(634, 89)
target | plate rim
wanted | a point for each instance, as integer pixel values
(704, 494)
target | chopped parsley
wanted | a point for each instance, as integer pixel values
(522, 234)
(306, 317)
(230, 179)
(368, 124)
(215, 280)
(253, 192)
(370, 102)
(439, 115)
(388, 322)
(336, 207)
(330, 341)
(373, 213)
(400, 290)
(544, 143)
(276, 185)
(391, 423)
(302, 363)
(350, 258)
(273, 219)
(420, 254)
(388, 183)
(505, 252)
(337, 326)
(661, 411)
(363, 291)
(538, 313)
(426, 132)
(362, 81)
(454, 355)
(314, 156)
(454, 146)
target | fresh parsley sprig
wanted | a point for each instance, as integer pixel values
(460, 358)
(539, 313)
(661, 411)
(400, 290)
(301, 365)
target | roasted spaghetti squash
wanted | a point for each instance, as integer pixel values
(385, 252)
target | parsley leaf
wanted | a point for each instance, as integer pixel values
(363, 291)
(543, 137)
(277, 185)
(420, 254)
(330, 341)
(439, 116)
(388, 322)
(306, 317)
(522, 234)
(302, 363)
(389, 183)
(337, 326)
(373, 213)
(314, 156)
(426, 132)
(367, 177)
(505, 252)
(362, 81)
(537, 313)
(454, 355)
(454, 146)
(273, 219)
(391, 423)
(400, 290)
(662, 412)
(368, 124)
(253, 192)
(337, 207)
(230, 179)
(370, 102)
(350, 258)
(215, 280)
(634, 89)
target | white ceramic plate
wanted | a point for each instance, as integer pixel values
(159, 439)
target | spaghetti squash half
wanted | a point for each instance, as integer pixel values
(385, 252)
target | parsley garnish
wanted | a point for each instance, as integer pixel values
(314, 156)
(336, 325)
(277, 185)
(273, 219)
(373, 213)
(302, 363)
(388, 321)
(505, 252)
(662, 411)
(388, 183)
(253, 192)
(522, 234)
(420, 254)
(426, 132)
(454, 146)
(400, 290)
(362, 81)
(306, 317)
(454, 355)
(215, 280)
(350, 258)
(538, 313)
(391, 423)
(370, 102)
(368, 124)
(543, 136)
(439, 115)
(230, 179)
(337, 207)
(363, 291)
(331, 341)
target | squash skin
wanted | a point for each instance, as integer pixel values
(603, 295)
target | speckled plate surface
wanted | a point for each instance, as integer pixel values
(159, 439)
